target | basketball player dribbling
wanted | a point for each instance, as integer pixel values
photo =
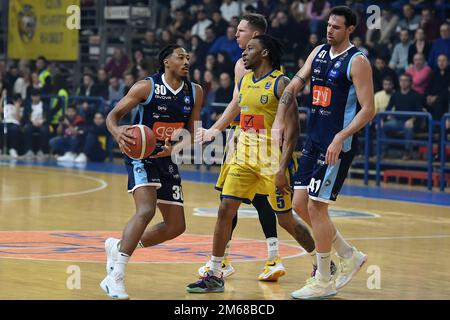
(166, 102)
(342, 104)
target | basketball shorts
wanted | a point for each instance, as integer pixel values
(232, 138)
(244, 181)
(322, 181)
(161, 173)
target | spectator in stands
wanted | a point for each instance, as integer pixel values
(118, 63)
(357, 42)
(420, 45)
(87, 89)
(150, 46)
(180, 25)
(229, 9)
(410, 20)
(317, 12)
(210, 37)
(223, 64)
(116, 88)
(22, 83)
(224, 93)
(383, 37)
(95, 144)
(166, 38)
(128, 82)
(383, 97)
(266, 7)
(210, 6)
(405, 99)
(11, 111)
(44, 76)
(298, 10)
(380, 71)
(11, 76)
(35, 118)
(420, 73)
(102, 83)
(430, 23)
(281, 28)
(219, 24)
(399, 59)
(437, 92)
(57, 106)
(34, 84)
(227, 44)
(199, 47)
(304, 51)
(440, 46)
(200, 26)
(211, 64)
(65, 143)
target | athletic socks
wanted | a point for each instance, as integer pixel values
(343, 249)
(121, 263)
(272, 248)
(313, 255)
(323, 266)
(216, 266)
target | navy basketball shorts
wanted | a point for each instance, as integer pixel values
(161, 173)
(322, 181)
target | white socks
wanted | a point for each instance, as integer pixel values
(216, 265)
(140, 245)
(121, 263)
(343, 249)
(272, 248)
(313, 255)
(323, 266)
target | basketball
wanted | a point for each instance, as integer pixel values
(145, 142)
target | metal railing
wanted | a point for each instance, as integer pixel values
(428, 142)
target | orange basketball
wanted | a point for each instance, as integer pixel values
(145, 142)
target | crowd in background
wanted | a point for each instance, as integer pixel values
(410, 57)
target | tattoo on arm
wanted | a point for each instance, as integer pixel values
(300, 78)
(286, 98)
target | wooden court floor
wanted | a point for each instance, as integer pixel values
(53, 222)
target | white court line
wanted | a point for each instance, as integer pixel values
(103, 185)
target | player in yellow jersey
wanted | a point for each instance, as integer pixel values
(256, 162)
(250, 25)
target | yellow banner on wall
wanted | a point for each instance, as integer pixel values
(39, 28)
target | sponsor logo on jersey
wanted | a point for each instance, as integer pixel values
(187, 100)
(321, 96)
(268, 84)
(251, 121)
(334, 74)
(317, 71)
(337, 64)
(186, 109)
(162, 108)
(164, 130)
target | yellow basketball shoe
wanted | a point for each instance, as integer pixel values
(273, 270)
(227, 268)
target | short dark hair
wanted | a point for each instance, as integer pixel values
(351, 18)
(406, 75)
(388, 78)
(164, 53)
(274, 47)
(256, 21)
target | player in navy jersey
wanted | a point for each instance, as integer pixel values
(167, 102)
(342, 103)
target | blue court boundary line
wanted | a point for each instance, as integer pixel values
(412, 196)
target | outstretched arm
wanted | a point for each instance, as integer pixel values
(361, 75)
(137, 94)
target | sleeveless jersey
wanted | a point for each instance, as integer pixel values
(333, 97)
(166, 110)
(258, 102)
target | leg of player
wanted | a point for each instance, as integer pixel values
(343, 250)
(227, 268)
(145, 201)
(173, 225)
(273, 268)
(322, 284)
(213, 281)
